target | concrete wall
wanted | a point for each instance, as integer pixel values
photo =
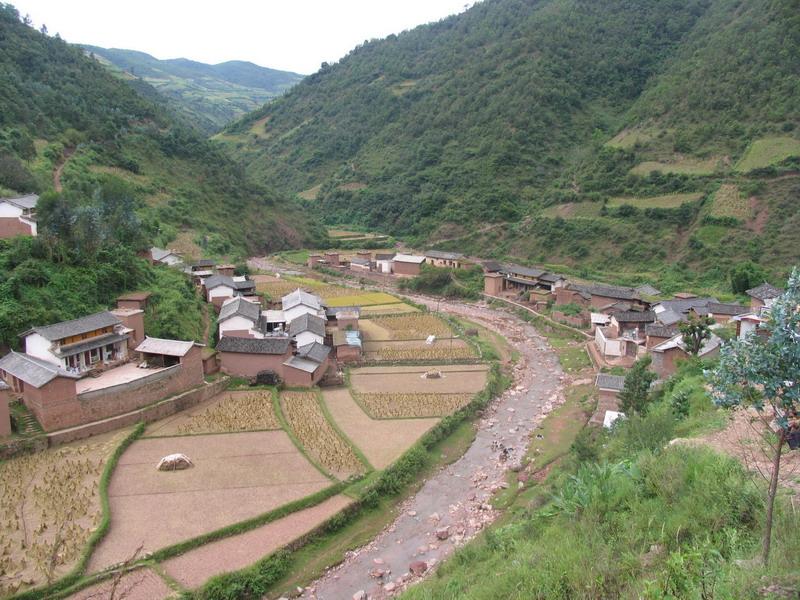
(249, 365)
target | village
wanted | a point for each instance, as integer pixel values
(316, 377)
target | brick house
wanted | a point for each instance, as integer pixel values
(307, 329)
(722, 313)
(656, 333)
(5, 413)
(18, 216)
(135, 300)
(631, 323)
(347, 345)
(407, 265)
(343, 317)
(246, 357)
(667, 354)
(609, 297)
(308, 366)
(219, 288)
(239, 317)
(515, 279)
(450, 260)
(609, 387)
(165, 257)
(763, 296)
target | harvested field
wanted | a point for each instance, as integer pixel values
(230, 554)
(388, 309)
(419, 351)
(276, 289)
(382, 442)
(141, 584)
(363, 299)
(46, 497)
(679, 166)
(413, 327)
(236, 476)
(729, 202)
(395, 405)
(456, 379)
(225, 413)
(304, 415)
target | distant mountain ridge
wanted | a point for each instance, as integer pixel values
(210, 95)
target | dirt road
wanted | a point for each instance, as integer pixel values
(452, 506)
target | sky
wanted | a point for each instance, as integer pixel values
(292, 35)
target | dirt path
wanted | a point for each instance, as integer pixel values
(453, 504)
(60, 169)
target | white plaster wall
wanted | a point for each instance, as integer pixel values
(9, 210)
(38, 346)
(307, 337)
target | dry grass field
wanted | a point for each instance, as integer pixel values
(403, 337)
(236, 476)
(49, 506)
(387, 309)
(456, 379)
(729, 202)
(276, 289)
(413, 327)
(679, 166)
(235, 411)
(382, 442)
(304, 415)
(355, 299)
(666, 201)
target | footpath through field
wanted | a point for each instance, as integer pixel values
(453, 504)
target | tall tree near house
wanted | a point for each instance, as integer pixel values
(695, 331)
(763, 372)
(635, 395)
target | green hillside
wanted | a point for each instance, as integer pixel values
(516, 128)
(66, 122)
(211, 96)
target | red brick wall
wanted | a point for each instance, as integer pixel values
(664, 363)
(343, 324)
(54, 405)
(296, 377)
(242, 333)
(653, 340)
(492, 284)
(5, 416)
(135, 322)
(401, 268)
(12, 227)
(133, 304)
(248, 365)
(348, 353)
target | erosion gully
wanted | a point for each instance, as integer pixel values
(453, 505)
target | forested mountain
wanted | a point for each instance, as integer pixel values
(210, 96)
(524, 128)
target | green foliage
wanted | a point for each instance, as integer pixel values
(695, 331)
(746, 275)
(635, 396)
(450, 283)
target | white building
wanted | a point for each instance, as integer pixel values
(18, 216)
(301, 303)
(239, 317)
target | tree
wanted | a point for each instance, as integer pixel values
(746, 275)
(763, 372)
(635, 395)
(695, 331)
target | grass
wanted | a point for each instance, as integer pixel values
(767, 152)
(297, 257)
(729, 202)
(573, 358)
(311, 193)
(711, 234)
(573, 210)
(666, 201)
(681, 166)
(628, 138)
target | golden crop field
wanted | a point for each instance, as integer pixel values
(237, 411)
(304, 414)
(442, 351)
(49, 507)
(413, 326)
(729, 202)
(395, 405)
(387, 309)
(363, 299)
(276, 289)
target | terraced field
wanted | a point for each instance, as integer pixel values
(728, 201)
(679, 166)
(666, 201)
(768, 151)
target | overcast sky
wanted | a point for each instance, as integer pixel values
(293, 35)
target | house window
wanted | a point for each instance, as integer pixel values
(94, 355)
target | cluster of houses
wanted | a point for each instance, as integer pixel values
(399, 264)
(18, 216)
(295, 342)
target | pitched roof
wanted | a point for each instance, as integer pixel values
(605, 381)
(677, 342)
(203, 262)
(384, 256)
(409, 258)
(26, 202)
(303, 364)
(159, 254)
(364, 262)
(659, 330)
(242, 345)
(85, 324)
(298, 297)
(524, 271)
(718, 308)
(607, 291)
(137, 296)
(635, 316)
(492, 266)
(239, 307)
(346, 338)
(684, 305)
(152, 345)
(314, 351)
(33, 371)
(218, 280)
(444, 255)
(765, 291)
(307, 322)
(648, 290)
(550, 278)
(335, 311)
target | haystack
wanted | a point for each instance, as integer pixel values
(174, 462)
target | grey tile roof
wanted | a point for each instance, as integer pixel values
(648, 290)
(76, 326)
(303, 364)
(765, 291)
(33, 371)
(608, 291)
(718, 308)
(659, 330)
(203, 262)
(27, 202)
(307, 322)
(444, 255)
(492, 266)
(384, 256)
(605, 381)
(268, 345)
(218, 280)
(524, 271)
(684, 305)
(550, 278)
(239, 307)
(314, 351)
(635, 316)
(299, 297)
(152, 345)
(333, 311)
(90, 344)
(364, 262)
(159, 254)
